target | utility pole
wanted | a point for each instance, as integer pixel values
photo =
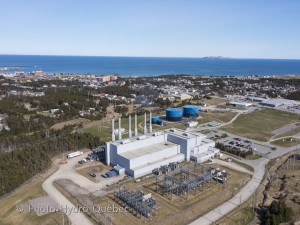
(63, 219)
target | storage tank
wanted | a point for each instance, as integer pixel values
(174, 114)
(190, 110)
(155, 119)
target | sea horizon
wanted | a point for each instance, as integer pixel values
(120, 56)
(150, 66)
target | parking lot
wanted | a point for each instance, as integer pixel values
(239, 143)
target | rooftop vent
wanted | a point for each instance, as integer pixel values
(125, 141)
(141, 137)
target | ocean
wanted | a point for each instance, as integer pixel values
(148, 66)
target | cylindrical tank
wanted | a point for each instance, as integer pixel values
(190, 110)
(174, 114)
(155, 119)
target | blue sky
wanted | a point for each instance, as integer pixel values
(176, 28)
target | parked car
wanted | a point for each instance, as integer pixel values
(93, 175)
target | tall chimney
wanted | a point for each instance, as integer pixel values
(113, 138)
(145, 123)
(119, 130)
(135, 126)
(150, 123)
(129, 127)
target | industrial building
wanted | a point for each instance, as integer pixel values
(276, 102)
(240, 105)
(140, 154)
(272, 102)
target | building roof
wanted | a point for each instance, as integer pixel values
(278, 101)
(246, 104)
(147, 150)
(183, 133)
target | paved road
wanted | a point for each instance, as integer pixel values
(60, 199)
(233, 166)
(239, 198)
(252, 185)
(67, 171)
(248, 189)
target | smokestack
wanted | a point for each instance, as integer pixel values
(113, 130)
(150, 123)
(145, 123)
(129, 127)
(119, 131)
(135, 126)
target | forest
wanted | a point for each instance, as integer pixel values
(277, 213)
(19, 165)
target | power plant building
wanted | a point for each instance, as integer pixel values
(141, 154)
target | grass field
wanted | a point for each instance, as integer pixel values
(214, 101)
(70, 122)
(103, 129)
(8, 214)
(240, 216)
(179, 210)
(218, 117)
(258, 125)
(284, 142)
(253, 157)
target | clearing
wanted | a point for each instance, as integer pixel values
(31, 190)
(259, 125)
(78, 121)
(286, 142)
(221, 117)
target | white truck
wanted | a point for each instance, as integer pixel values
(74, 154)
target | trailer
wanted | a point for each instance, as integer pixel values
(74, 154)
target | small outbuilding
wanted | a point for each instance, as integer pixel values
(119, 170)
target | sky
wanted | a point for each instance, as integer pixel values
(162, 28)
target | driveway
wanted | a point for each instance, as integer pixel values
(67, 171)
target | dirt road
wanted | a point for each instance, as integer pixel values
(67, 171)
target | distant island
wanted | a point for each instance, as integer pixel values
(216, 57)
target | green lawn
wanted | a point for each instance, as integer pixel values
(253, 157)
(103, 129)
(270, 164)
(218, 117)
(284, 142)
(258, 125)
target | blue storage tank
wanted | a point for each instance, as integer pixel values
(190, 110)
(174, 114)
(155, 119)
(160, 122)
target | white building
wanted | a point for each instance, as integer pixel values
(241, 105)
(140, 154)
